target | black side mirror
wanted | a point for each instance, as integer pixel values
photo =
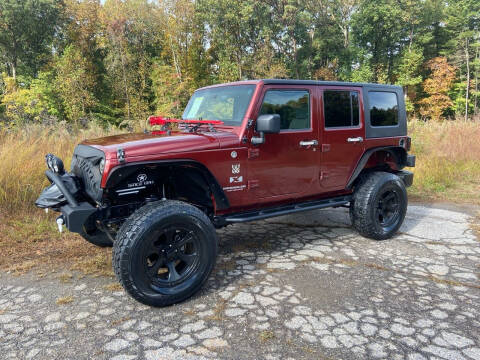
(266, 124)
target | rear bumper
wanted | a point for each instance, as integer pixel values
(410, 161)
(406, 176)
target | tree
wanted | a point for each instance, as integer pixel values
(234, 31)
(437, 87)
(378, 28)
(408, 72)
(464, 25)
(131, 38)
(27, 28)
(75, 83)
(171, 91)
(37, 101)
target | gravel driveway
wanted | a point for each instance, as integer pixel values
(297, 287)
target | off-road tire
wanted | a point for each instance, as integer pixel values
(367, 203)
(98, 238)
(139, 230)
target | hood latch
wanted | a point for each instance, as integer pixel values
(121, 155)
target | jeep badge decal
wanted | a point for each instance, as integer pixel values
(141, 177)
(236, 179)
(233, 154)
(236, 169)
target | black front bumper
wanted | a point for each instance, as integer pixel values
(75, 214)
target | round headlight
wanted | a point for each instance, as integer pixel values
(101, 165)
(49, 162)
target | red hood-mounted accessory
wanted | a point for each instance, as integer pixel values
(189, 125)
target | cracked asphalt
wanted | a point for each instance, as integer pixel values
(297, 287)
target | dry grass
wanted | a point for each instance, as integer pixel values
(113, 287)
(65, 277)
(64, 300)
(98, 265)
(28, 237)
(266, 335)
(120, 321)
(22, 161)
(448, 161)
(30, 241)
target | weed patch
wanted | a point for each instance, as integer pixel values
(64, 300)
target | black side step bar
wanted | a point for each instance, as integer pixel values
(287, 209)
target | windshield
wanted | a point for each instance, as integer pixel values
(225, 103)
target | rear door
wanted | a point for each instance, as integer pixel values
(343, 134)
(287, 164)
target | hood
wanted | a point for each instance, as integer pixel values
(144, 144)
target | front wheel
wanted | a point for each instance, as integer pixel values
(379, 205)
(165, 252)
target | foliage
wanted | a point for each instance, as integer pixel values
(75, 83)
(117, 61)
(36, 102)
(26, 31)
(437, 87)
(171, 91)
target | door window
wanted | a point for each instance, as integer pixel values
(341, 108)
(293, 106)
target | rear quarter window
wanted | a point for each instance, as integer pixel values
(383, 108)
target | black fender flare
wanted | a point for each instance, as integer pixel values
(398, 153)
(221, 199)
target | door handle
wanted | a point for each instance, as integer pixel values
(355, 139)
(309, 143)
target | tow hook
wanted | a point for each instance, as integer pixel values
(60, 223)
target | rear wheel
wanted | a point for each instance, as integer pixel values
(165, 252)
(379, 205)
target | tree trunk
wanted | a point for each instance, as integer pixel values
(477, 57)
(175, 61)
(346, 39)
(467, 88)
(14, 71)
(295, 57)
(127, 96)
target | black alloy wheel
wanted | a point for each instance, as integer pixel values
(171, 257)
(379, 205)
(164, 252)
(387, 209)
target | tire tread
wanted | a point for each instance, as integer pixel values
(129, 233)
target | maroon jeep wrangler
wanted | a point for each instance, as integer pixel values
(242, 151)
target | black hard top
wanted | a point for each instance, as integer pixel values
(324, 83)
(306, 82)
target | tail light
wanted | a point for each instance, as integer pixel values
(405, 143)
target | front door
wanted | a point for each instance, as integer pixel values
(343, 133)
(287, 164)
